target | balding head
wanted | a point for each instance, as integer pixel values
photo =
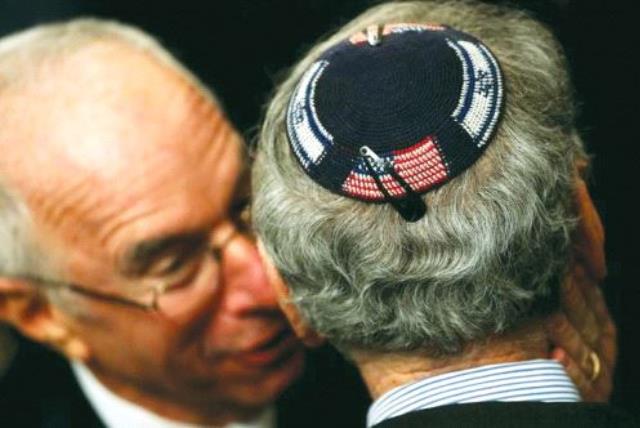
(50, 79)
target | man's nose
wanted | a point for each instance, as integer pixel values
(246, 288)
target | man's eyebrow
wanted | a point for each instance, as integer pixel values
(141, 256)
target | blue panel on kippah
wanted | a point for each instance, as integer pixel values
(425, 100)
(482, 85)
(311, 140)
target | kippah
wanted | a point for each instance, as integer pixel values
(394, 112)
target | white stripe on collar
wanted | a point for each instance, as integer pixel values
(116, 412)
(533, 380)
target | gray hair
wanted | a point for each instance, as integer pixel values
(24, 58)
(16, 246)
(495, 242)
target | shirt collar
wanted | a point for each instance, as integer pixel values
(533, 380)
(116, 412)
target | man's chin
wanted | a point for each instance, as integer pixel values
(246, 400)
(245, 385)
(272, 384)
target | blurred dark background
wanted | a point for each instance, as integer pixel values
(239, 48)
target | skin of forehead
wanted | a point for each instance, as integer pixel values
(104, 128)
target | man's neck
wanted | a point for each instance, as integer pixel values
(384, 371)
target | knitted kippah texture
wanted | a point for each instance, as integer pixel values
(407, 112)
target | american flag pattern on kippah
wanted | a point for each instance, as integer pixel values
(426, 101)
(420, 165)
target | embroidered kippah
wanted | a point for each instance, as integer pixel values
(394, 112)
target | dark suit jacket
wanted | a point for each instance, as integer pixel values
(516, 415)
(40, 391)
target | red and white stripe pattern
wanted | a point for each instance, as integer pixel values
(420, 166)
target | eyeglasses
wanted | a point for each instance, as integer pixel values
(149, 304)
(240, 216)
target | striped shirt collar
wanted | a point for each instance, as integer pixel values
(533, 380)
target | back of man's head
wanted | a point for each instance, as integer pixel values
(495, 241)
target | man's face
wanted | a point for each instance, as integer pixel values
(146, 176)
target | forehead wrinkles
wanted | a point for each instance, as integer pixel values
(180, 171)
(102, 150)
(188, 197)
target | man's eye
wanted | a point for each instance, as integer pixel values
(177, 263)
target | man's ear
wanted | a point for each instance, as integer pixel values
(588, 241)
(22, 306)
(305, 333)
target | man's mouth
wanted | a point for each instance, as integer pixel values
(270, 352)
